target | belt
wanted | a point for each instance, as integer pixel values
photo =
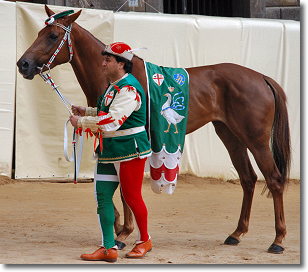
(124, 132)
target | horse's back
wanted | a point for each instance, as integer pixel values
(227, 92)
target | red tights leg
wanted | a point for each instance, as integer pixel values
(131, 177)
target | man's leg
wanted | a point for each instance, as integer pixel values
(105, 185)
(131, 178)
(106, 182)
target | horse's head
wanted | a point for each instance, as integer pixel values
(46, 44)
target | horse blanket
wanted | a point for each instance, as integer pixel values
(168, 108)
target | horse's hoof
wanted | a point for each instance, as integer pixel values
(231, 241)
(275, 249)
(119, 244)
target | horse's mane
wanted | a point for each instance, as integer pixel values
(90, 34)
(99, 41)
(138, 57)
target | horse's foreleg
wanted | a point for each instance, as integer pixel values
(248, 178)
(128, 226)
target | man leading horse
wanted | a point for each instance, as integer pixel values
(119, 124)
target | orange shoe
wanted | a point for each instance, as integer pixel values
(102, 254)
(140, 250)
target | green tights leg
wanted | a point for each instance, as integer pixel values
(105, 210)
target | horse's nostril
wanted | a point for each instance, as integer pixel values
(25, 65)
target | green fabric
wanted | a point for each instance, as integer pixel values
(105, 209)
(124, 147)
(106, 169)
(60, 14)
(176, 83)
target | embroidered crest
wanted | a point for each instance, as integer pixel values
(168, 110)
(158, 79)
(109, 98)
(179, 78)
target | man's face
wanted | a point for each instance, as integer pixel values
(111, 67)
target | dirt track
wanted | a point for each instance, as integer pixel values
(54, 223)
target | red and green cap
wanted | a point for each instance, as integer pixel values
(120, 49)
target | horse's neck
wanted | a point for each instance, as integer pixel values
(87, 63)
(139, 73)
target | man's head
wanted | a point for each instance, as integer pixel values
(122, 53)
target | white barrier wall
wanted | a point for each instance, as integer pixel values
(268, 46)
(7, 84)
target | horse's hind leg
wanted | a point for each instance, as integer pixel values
(248, 178)
(266, 163)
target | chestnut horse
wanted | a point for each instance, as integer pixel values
(247, 109)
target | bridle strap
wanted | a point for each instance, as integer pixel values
(46, 77)
(67, 37)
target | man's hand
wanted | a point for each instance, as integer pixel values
(79, 110)
(74, 120)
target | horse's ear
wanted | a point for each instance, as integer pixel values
(72, 17)
(49, 11)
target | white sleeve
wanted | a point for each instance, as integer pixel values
(125, 102)
(91, 111)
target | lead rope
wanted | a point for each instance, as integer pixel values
(47, 78)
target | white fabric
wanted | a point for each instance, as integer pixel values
(268, 46)
(124, 132)
(91, 111)
(171, 161)
(76, 157)
(103, 177)
(124, 104)
(7, 84)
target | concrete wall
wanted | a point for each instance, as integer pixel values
(272, 9)
(153, 5)
(275, 9)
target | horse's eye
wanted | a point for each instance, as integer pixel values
(53, 37)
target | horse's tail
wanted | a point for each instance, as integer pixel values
(280, 140)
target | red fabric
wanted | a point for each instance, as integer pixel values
(119, 47)
(79, 131)
(99, 135)
(129, 88)
(170, 174)
(88, 131)
(102, 113)
(131, 177)
(105, 121)
(122, 120)
(137, 97)
(117, 88)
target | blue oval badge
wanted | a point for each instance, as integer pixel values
(179, 78)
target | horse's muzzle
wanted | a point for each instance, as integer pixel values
(27, 69)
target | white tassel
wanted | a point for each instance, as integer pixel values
(132, 50)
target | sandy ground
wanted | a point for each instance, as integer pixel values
(54, 223)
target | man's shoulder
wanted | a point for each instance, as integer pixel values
(132, 81)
